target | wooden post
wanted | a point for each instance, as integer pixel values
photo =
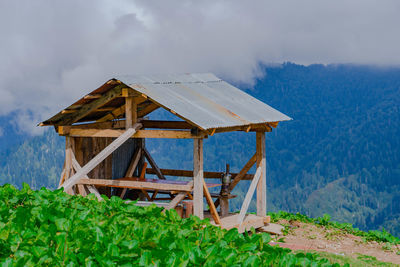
(68, 163)
(130, 112)
(224, 203)
(198, 178)
(262, 185)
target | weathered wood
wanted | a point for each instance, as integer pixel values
(68, 163)
(261, 186)
(242, 172)
(198, 179)
(89, 107)
(146, 108)
(188, 173)
(67, 111)
(95, 96)
(166, 124)
(120, 124)
(263, 127)
(105, 109)
(142, 178)
(210, 202)
(137, 184)
(224, 203)
(64, 130)
(134, 163)
(272, 228)
(153, 164)
(177, 134)
(130, 112)
(113, 114)
(100, 157)
(91, 188)
(249, 195)
(181, 196)
(273, 124)
(250, 221)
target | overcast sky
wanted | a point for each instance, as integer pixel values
(53, 52)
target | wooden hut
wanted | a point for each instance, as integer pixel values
(105, 142)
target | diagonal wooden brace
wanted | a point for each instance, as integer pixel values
(100, 157)
(249, 195)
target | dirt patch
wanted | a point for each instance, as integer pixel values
(302, 236)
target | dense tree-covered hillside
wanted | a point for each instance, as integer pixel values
(339, 155)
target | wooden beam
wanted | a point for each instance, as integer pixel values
(137, 185)
(131, 169)
(263, 127)
(91, 188)
(273, 124)
(67, 111)
(130, 112)
(146, 108)
(100, 157)
(166, 124)
(242, 172)
(134, 163)
(105, 109)
(153, 164)
(181, 196)
(198, 179)
(95, 96)
(84, 132)
(213, 210)
(249, 196)
(208, 175)
(68, 163)
(116, 113)
(261, 186)
(89, 107)
(242, 175)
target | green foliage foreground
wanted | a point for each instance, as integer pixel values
(52, 228)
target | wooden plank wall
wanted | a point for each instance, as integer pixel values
(86, 148)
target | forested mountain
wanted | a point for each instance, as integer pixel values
(340, 154)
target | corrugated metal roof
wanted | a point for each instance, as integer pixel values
(204, 99)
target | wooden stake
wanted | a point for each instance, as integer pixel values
(261, 186)
(210, 202)
(198, 179)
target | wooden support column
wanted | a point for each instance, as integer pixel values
(262, 184)
(68, 164)
(198, 178)
(224, 203)
(130, 111)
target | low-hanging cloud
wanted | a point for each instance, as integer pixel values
(52, 52)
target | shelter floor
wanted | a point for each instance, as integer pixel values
(231, 221)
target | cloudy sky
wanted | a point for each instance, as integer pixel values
(52, 52)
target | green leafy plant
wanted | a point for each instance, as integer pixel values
(51, 228)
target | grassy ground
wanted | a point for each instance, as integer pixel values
(360, 261)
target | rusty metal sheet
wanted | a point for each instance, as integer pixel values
(205, 100)
(200, 98)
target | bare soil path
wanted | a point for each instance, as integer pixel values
(303, 236)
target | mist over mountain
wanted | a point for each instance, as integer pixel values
(340, 154)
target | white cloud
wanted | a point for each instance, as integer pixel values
(55, 51)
